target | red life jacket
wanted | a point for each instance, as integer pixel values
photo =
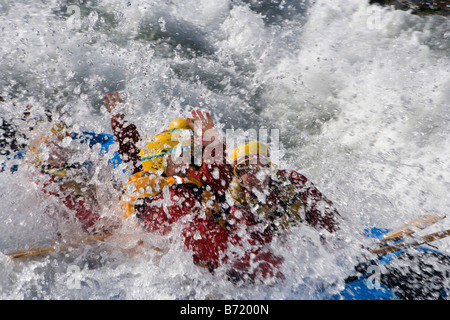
(86, 216)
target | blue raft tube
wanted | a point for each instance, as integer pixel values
(418, 273)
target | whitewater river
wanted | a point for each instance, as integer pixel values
(354, 96)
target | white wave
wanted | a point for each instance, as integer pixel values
(360, 95)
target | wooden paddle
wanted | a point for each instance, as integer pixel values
(405, 230)
(403, 245)
(394, 235)
(56, 246)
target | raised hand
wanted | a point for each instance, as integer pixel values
(209, 137)
(203, 119)
(111, 101)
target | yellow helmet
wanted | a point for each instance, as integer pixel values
(40, 139)
(59, 129)
(152, 156)
(179, 123)
(249, 151)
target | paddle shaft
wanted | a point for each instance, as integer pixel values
(405, 230)
(396, 234)
(403, 245)
(55, 247)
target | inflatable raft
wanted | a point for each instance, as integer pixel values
(420, 272)
(417, 273)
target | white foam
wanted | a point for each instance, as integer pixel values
(359, 93)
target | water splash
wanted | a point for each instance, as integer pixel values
(359, 93)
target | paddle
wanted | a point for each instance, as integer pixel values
(394, 235)
(405, 230)
(403, 245)
(57, 246)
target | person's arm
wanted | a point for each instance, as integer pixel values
(320, 211)
(126, 134)
(217, 172)
(160, 212)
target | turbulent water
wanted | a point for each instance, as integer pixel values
(359, 94)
